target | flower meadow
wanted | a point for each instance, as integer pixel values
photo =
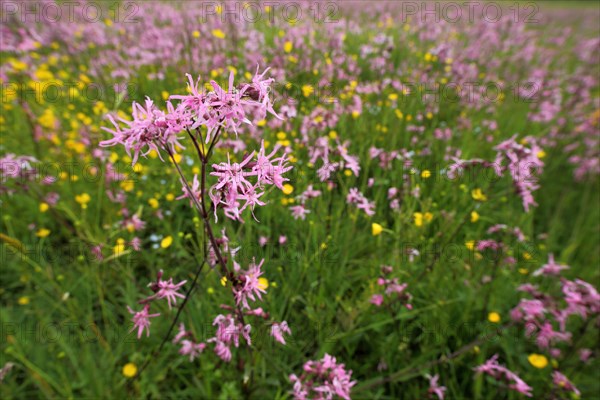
(300, 200)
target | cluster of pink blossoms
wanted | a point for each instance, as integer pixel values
(20, 170)
(502, 374)
(393, 289)
(154, 129)
(356, 198)
(162, 290)
(543, 313)
(523, 163)
(322, 380)
(234, 187)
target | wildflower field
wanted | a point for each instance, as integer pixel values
(299, 200)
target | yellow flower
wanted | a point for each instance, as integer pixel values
(470, 244)
(129, 370)
(218, 33)
(355, 114)
(170, 197)
(474, 216)
(196, 34)
(425, 174)
(307, 90)
(288, 46)
(494, 317)
(393, 96)
(418, 219)
(23, 300)
(119, 248)
(83, 199)
(263, 283)
(44, 207)
(376, 229)
(478, 195)
(153, 203)
(288, 189)
(428, 216)
(166, 242)
(333, 135)
(224, 281)
(538, 360)
(42, 233)
(127, 185)
(541, 154)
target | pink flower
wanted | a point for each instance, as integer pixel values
(434, 387)
(248, 285)
(240, 186)
(166, 289)
(141, 320)
(377, 299)
(299, 212)
(323, 379)
(150, 129)
(180, 334)
(551, 268)
(278, 329)
(189, 348)
(562, 383)
(357, 198)
(501, 373)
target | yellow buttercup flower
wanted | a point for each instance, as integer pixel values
(263, 283)
(166, 242)
(218, 33)
(478, 195)
(42, 233)
(44, 207)
(129, 370)
(426, 174)
(288, 189)
(23, 300)
(288, 46)
(494, 317)
(153, 203)
(418, 218)
(474, 216)
(376, 229)
(83, 199)
(538, 360)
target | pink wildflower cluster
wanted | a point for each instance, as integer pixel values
(188, 346)
(227, 108)
(300, 211)
(334, 158)
(564, 384)
(154, 129)
(502, 374)
(150, 129)
(322, 380)
(228, 333)
(234, 187)
(162, 290)
(246, 284)
(393, 290)
(523, 163)
(20, 170)
(541, 314)
(360, 201)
